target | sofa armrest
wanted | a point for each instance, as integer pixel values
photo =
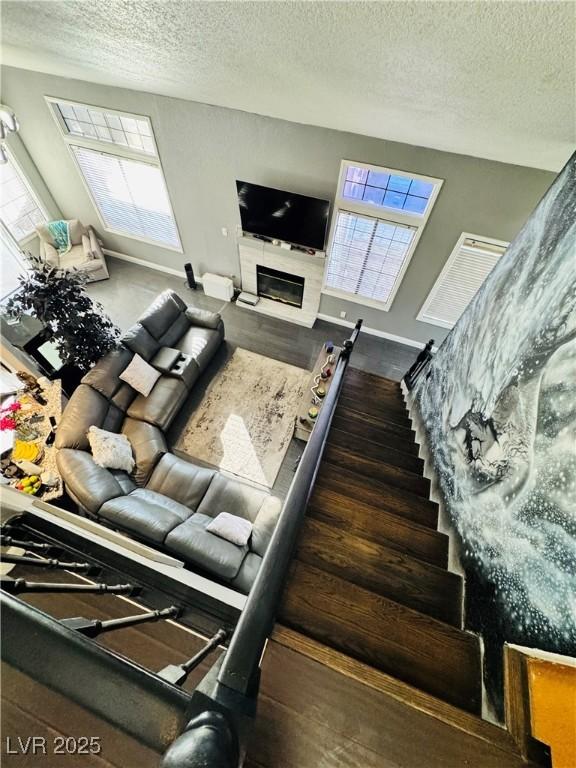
(49, 254)
(203, 318)
(90, 484)
(148, 446)
(88, 253)
(95, 246)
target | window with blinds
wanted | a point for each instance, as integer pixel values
(367, 255)
(130, 195)
(20, 211)
(470, 263)
(11, 263)
(378, 218)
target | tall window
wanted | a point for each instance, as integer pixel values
(117, 158)
(469, 264)
(379, 217)
(20, 209)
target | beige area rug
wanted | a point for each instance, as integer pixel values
(245, 421)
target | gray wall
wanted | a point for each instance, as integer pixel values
(203, 150)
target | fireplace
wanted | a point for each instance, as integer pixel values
(280, 286)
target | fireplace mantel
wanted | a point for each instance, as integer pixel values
(255, 252)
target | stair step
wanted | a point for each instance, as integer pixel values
(361, 378)
(372, 405)
(380, 526)
(377, 451)
(383, 433)
(379, 470)
(377, 494)
(383, 570)
(436, 657)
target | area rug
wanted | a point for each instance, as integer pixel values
(245, 421)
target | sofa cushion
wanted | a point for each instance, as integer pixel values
(104, 376)
(227, 495)
(247, 574)
(148, 447)
(85, 408)
(138, 340)
(184, 482)
(162, 404)
(160, 315)
(201, 344)
(140, 375)
(198, 547)
(175, 332)
(203, 318)
(149, 515)
(90, 485)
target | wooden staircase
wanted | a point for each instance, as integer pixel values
(370, 577)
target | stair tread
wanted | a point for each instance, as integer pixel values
(381, 433)
(381, 569)
(380, 525)
(418, 649)
(380, 470)
(378, 494)
(357, 375)
(371, 405)
(386, 453)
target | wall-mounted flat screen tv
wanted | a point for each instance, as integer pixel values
(279, 215)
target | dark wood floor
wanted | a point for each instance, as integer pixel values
(370, 576)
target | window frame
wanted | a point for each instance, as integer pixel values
(33, 194)
(360, 208)
(110, 148)
(421, 316)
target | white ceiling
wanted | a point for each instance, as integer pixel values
(490, 79)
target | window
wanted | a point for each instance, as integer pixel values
(470, 263)
(379, 216)
(118, 160)
(130, 196)
(11, 263)
(20, 211)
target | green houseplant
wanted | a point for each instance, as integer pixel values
(80, 330)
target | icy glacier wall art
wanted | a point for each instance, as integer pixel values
(498, 403)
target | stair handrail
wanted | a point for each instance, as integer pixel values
(226, 695)
(242, 659)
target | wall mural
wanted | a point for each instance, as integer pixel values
(498, 403)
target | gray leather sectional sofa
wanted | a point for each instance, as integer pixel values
(166, 501)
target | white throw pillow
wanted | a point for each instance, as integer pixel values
(110, 450)
(140, 375)
(232, 528)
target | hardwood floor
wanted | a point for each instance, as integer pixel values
(370, 577)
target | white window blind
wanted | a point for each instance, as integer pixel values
(130, 195)
(367, 255)
(19, 210)
(469, 265)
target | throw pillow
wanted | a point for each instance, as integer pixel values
(110, 450)
(232, 528)
(60, 232)
(140, 375)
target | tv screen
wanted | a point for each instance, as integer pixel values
(280, 215)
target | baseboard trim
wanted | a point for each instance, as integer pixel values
(373, 331)
(149, 264)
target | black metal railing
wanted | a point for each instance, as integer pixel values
(224, 703)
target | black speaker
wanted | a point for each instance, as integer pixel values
(190, 276)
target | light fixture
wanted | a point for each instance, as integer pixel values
(8, 124)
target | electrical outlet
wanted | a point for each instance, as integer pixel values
(343, 315)
(224, 231)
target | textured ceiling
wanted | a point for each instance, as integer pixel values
(490, 79)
